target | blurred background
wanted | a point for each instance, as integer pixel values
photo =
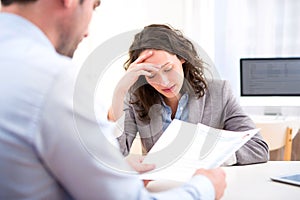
(226, 29)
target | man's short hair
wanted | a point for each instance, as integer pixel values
(8, 2)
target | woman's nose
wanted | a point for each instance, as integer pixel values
(163, 80)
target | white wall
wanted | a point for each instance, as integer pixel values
(117, 16)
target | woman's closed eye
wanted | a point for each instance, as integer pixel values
(168, 68)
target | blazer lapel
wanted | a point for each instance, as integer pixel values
(195, 110)
(156, 125)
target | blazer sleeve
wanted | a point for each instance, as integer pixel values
(129, 128)
(256, 149)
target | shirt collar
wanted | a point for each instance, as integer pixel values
(182, 101)
(27, 28)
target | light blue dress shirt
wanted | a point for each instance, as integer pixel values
(182, 111)
(51, 147)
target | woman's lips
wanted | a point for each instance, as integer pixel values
(169, 89)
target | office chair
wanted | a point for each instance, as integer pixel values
(278, 135)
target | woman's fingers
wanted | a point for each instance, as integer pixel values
(142, 67)
(143, 57)
(146, 67)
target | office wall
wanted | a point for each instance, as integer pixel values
(219, 27)
(249, 28)
(117, 16)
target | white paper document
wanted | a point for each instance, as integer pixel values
(185, 147)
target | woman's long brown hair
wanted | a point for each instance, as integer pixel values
(163, 37)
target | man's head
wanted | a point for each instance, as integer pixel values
(8, 2)
(64, 22)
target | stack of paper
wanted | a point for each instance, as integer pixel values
(185, 147)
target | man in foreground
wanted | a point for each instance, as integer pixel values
(50, 146)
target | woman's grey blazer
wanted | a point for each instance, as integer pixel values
(218, 108)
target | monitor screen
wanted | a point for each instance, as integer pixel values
(270, 76)
(270, 81)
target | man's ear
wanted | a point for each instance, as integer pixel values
(67, 3)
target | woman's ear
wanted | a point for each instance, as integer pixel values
(182, 61)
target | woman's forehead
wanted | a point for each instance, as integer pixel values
(160, 57)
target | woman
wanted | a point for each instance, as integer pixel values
(165, 80)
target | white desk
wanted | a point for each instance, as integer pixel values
(251, 182)
(275, 118)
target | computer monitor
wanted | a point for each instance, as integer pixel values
(270, 82)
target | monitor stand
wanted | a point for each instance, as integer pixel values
(273, 110)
